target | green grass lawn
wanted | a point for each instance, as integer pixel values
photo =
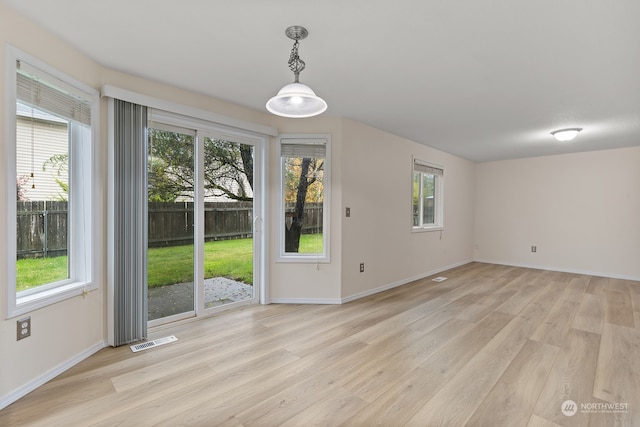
(32, 272)
(224, 258)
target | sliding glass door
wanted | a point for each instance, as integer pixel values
(171, 216)
(202, 196)
(228, 222)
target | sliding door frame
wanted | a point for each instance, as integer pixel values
(202, 130)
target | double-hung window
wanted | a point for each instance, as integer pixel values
(427, 204)
(50, 128)
(304, 198)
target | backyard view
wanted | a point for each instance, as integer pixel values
(42, 189)
(228, 258)
(228, 255)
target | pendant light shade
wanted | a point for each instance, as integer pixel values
(296, 100)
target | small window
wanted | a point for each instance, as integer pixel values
(304, 199)
(427, 196)
(51, 136)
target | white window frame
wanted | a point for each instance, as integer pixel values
(438, 224)
(82, 175)
(325, 256)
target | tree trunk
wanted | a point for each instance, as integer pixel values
(247, 162)
(292, 234)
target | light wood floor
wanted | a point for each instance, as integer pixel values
(490, 346)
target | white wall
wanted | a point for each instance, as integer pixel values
(582, 211)
(377, 177)
(65, 332)
(307, 282)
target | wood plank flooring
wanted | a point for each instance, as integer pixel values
(491, 346)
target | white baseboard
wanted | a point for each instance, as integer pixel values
(365, 293)
(402, 282)
(32, 385)
(305, 301)
(562, 270)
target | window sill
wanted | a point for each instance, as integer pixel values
(426, 229)
(302, 259)
(42, 299)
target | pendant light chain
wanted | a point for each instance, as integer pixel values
(295, 63)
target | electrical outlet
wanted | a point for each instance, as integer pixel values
(23, 328)
(534, 248)
(347, 212)
(362, 267)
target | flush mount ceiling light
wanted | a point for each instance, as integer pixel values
(296, 100)
(566, 134)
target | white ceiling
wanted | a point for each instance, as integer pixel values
(482, 79)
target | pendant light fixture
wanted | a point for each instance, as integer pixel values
(295, 99)
(566, 134)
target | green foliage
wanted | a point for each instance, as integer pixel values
(228, 167)
(60, 164)
(428, 186)
(170, 166)
(315, 179)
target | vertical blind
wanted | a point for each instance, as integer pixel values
(130, 222)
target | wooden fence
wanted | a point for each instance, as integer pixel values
(41, 229)
(171, 224)
(42, 226)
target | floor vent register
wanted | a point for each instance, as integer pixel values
(151, 344)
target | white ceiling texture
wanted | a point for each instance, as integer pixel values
(481, 79)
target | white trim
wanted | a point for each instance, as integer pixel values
(51, 374)
(198, 229)
(403, 281)
(331, 301)
(438, 224)
(302, 258)
(9, 160)
(185, 110)
(47, 297)
(560, 269)
(261, 232)
(426, 229)
(110, 224)
(212, 311)
(82, 255)
(325, 257)
(172, 318)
